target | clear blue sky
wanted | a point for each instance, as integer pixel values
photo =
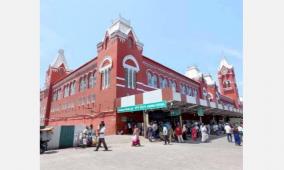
(177, 34)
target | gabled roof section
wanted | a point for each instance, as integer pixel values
(121, 25)
(193, 73)
(225, 64)
(59, 60)
(209, 80)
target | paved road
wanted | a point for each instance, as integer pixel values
(216, 155)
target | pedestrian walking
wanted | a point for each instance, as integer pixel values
(204, 133)
(90, 136)
(178, 132)
(184, 131)
(240, 129)
(236, 136)
(215, 129)
(166, 134)
(85, 136)
(228, 131)
(135, 137)
(102, 130)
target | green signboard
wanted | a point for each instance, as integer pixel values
(200, 111)
(175, 112)
(139, 107)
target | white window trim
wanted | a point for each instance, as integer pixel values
(101, 68)
(132, 58)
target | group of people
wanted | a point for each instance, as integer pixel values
(89, 135)
(236, 131)
(169, 132)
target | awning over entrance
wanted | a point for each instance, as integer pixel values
(168, 99)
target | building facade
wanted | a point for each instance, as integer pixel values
(119, 73)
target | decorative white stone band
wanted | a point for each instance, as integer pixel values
(128, 101)
(120, 85)
(203, 102)
(176, 96)
(120, 78)
(213, 104)
(190, 99)
(152, 96)
(140, 89)
(147, 85)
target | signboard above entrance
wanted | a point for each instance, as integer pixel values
(140, 107)
(175, 112)
(200, 111)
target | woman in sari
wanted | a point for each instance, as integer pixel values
(193, 133)
(135, 137)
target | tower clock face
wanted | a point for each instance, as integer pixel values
(224, 71)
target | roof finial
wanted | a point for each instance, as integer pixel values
(61, 51)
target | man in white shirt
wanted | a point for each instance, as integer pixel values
(102, 137)
(228, 130)
(166, 134)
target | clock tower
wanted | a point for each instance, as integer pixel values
(227, 81)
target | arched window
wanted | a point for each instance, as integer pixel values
(105, 68)
(161, 82)
(83, 83)
(149, 78)
(165, 83)
(92, 80)
(182, 89)
(131, 67)
(66, 91)
(227, 83)
(174, 85)
(190, 93)
(195, 93)
(73, 88)
(59, 94)
(154, 81)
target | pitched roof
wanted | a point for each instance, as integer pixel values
(209, 80)
(193, 73)
(122, 25)
(59, 60)
(225, 64)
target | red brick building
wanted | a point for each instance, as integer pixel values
(120, 78)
